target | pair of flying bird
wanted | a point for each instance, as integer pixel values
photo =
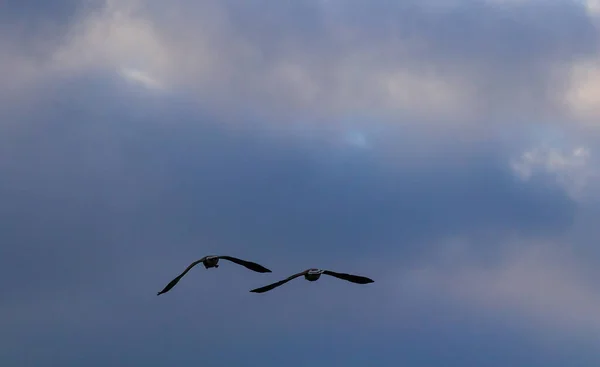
(309, 274)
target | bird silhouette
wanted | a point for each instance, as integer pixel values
(213, 262)
(313, 275)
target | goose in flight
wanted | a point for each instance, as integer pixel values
(213, 262)
(314, 274)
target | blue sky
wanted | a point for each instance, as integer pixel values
(447, 150)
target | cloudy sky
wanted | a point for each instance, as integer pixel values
(446, 149)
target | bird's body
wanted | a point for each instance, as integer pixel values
(212, 261)
(312, 275)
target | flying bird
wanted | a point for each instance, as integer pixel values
(313, 275)
(213, 262)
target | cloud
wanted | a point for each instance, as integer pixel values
(572, 170)
(139, 77)
(371, 138)
(164, 194)
(583, 95)
(462, 61)
(539, 283)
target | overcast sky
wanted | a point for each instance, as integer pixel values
(446, 149)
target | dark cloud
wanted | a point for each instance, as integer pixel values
(180, 175)
(35, 28)
(474, 31)
(88, 189)
(515, 57)
(107, 195)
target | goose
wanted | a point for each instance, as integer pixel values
(212, 261)
(313, 275)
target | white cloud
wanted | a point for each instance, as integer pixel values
(539, 282)
(116, 37)
(572, 169)
(224, 57)
(583, 94)
(140, 77)
(592, 6)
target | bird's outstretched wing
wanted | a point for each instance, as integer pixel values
(277, 284)
(248, 264)
(178, 278)
(349, 277)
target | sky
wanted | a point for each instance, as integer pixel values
(445, 149)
